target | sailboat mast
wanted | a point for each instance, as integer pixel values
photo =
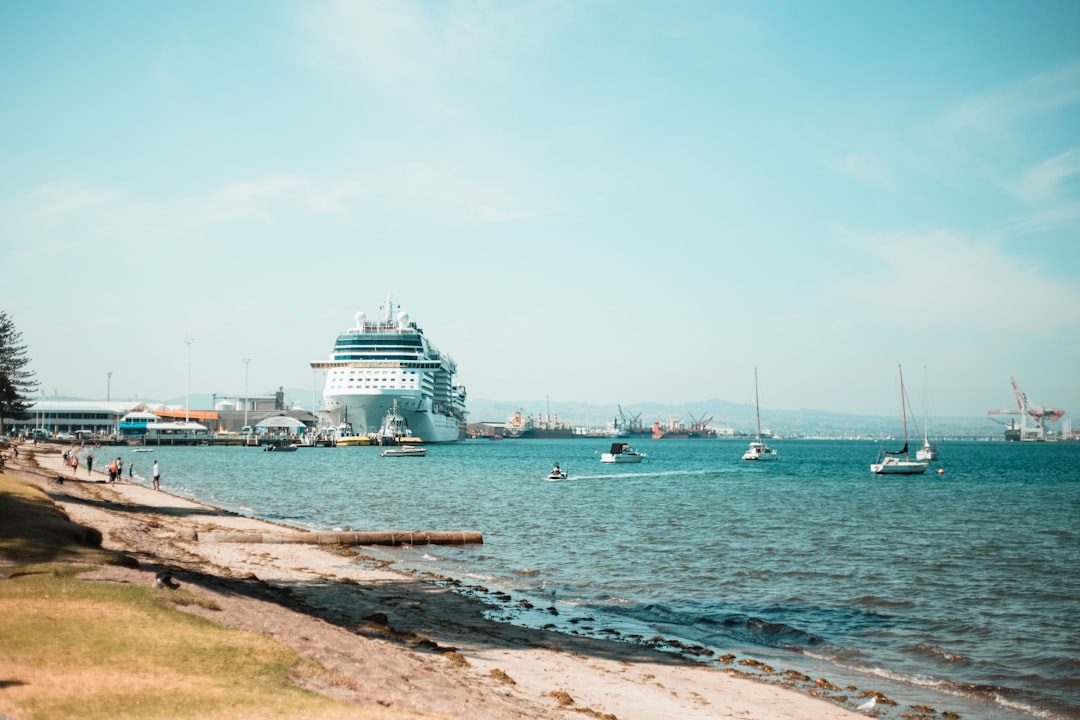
(925, 397)
(903, 409)
(757, 406)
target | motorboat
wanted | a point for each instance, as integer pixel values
(280, 447)
(404, 451)
(758, 450)
(899, 462)
(621, 452)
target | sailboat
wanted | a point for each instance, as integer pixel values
(890, 462)
(928, 451)
(758, 450)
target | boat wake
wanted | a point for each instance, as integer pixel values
(635, 475)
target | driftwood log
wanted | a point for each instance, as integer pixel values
(347, 538)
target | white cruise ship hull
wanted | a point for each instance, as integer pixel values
(389, 365)
(366, 412)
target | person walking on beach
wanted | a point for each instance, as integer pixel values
(112, 472)
(120, 469)
(157, 476)
(131, 472)
(89, 463)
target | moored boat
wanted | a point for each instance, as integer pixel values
(621, 452)
(404, 451)
(758, 450)
(899, 462)
(928, 451)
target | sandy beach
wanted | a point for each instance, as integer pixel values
(402, 642)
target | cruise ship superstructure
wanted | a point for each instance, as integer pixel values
(375, 363)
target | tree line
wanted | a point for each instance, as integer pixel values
(17, 382)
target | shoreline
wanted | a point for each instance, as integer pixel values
(407, 642)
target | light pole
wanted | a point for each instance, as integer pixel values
(187, 387)
(247, 362)
(108, 386)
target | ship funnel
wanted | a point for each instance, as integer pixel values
(403, 320)
(361, 318)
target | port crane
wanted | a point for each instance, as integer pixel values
(1039, 416)
(700, 424)
(630, 423)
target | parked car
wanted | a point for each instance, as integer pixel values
(65, 437)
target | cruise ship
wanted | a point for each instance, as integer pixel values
(377, 363)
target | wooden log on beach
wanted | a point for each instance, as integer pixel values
(347, 538)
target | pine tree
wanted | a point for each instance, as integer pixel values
(17, 383)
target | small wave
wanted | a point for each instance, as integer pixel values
(940, 653)
(478, 576)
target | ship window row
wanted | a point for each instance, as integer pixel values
(373, 350)
(369, 345)
(373, 372)
(411, 338)
(375, 357)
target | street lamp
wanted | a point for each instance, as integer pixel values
(187, 388)
(108, 386)
(247, 362)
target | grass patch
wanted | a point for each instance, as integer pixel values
(34, 530)
(97, 650)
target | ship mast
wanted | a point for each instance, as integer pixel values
(389, 308)
(757, 406)
(903, 410)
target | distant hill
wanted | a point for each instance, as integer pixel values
(738, 416)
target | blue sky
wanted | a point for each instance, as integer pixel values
(610, 202)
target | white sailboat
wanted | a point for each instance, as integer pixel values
(758, 450)
(891, 462)
(928, 451)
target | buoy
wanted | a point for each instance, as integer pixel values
(941, 471)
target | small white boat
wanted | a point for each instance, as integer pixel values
(143, 449)
(758, 450)
(894, 465)
(891, 462)
(404, 451)
(928, 451)
(621, 452)
(281, 447)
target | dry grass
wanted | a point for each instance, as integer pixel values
(78, 648)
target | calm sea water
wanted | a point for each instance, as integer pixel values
(958, 590)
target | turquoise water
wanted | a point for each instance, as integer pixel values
(957, 590)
